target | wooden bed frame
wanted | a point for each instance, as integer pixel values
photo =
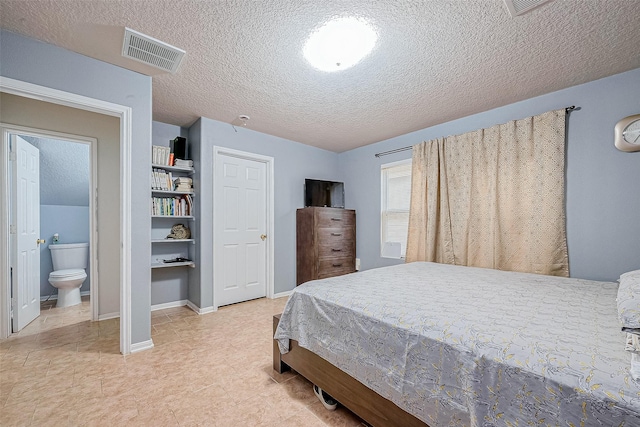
(358, 398)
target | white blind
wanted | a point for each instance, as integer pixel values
(396, 196)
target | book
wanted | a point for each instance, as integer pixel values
(157, 179)
(179, 147)
(183, 163)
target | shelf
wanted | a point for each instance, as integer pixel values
(165, 201)
(179, 193)
(173, 168)
(174, 264)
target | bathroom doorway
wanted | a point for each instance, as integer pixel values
(114, 180)
(65, 214)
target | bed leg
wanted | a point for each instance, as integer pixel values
(278, 365)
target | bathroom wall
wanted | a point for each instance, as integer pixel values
(64, 200)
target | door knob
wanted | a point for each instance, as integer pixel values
(38, 241)
(263, 237)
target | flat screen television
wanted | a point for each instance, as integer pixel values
(323, 193)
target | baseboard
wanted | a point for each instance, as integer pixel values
(108, 316)
(55, 296)
(140, 346)
(282, 294)
(199, 310)
(171, 304)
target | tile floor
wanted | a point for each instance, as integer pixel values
(210, 370)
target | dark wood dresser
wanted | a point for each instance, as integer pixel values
(325, 243)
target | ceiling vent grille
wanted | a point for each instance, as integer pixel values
(150, 51)
(519, 7)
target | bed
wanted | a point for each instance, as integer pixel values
(442, 345)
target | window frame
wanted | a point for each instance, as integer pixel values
(383, 202)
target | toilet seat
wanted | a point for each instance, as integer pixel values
(75, 273)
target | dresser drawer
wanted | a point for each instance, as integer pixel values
(337, 249)
(332, 218)
(329, 236)
(335, 267)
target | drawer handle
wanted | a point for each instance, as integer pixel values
(336, 219)
(336, 250)
(336, 234)
(337, 265)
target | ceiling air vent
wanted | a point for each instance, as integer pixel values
(519, 7)
(150, 51)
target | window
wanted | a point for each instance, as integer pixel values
(396, 194)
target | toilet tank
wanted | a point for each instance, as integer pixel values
(68, 256)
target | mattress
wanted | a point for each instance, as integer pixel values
(465, 346)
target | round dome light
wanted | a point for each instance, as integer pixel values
(340, 44)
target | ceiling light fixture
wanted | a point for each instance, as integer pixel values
(340, 44)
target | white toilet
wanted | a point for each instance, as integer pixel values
(68, 275)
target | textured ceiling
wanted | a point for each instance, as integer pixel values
(434, 61)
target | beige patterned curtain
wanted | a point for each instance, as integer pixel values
(492, 198)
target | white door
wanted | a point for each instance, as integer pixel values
(26, 220)
(240, 206)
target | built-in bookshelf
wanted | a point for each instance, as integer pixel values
(171, 204)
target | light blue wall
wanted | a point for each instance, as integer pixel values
(72, 225)
(46, 65)
(168, 284)
(200, 276)
(293, 162)
(602, 188)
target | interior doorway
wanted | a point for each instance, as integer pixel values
(122, 179)
(53, 194)
(242, 226)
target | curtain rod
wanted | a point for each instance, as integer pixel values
(398, 150)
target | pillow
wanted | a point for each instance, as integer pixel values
(633, 343)
(635, 366)
(629, 300)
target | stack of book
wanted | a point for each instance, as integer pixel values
(171, 206)
(161, 180)
(183, 183)
(183, 163)
(162, 155)
(172, 155)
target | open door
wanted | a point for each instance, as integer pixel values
(25, 263)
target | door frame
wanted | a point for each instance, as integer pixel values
(269, 181)
(7, 129)
(124, 113)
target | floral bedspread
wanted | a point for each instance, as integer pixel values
(464, 346)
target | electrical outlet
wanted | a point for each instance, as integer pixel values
(357, 264)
